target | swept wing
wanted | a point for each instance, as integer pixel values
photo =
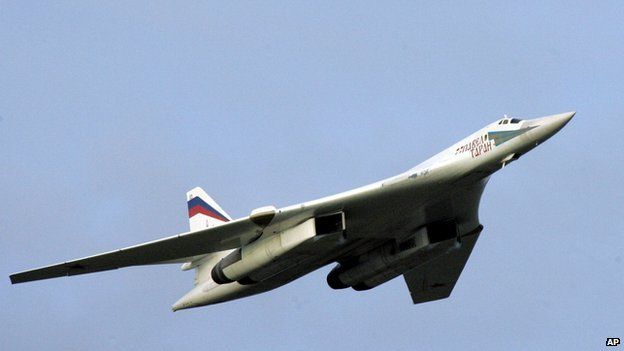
(175, 248)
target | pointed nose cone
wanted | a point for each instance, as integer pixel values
(554, 123)
(550, 125)
(560, 120)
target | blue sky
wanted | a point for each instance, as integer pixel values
(111, 111)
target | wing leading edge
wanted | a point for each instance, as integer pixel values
(436, 279)
(178, 247)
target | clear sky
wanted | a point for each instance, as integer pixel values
(110, 111)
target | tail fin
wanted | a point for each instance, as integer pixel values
(203, 211)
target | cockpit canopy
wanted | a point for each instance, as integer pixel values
(509, 121)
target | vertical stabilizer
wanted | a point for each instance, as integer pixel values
(203, 211)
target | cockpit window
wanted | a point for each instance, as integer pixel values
(505, 121)
(515, 120)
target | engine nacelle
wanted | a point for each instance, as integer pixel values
(239, 264)
(333, 278)
(217, 273)
(389, 261)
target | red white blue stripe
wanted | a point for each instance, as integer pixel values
(197, 205)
